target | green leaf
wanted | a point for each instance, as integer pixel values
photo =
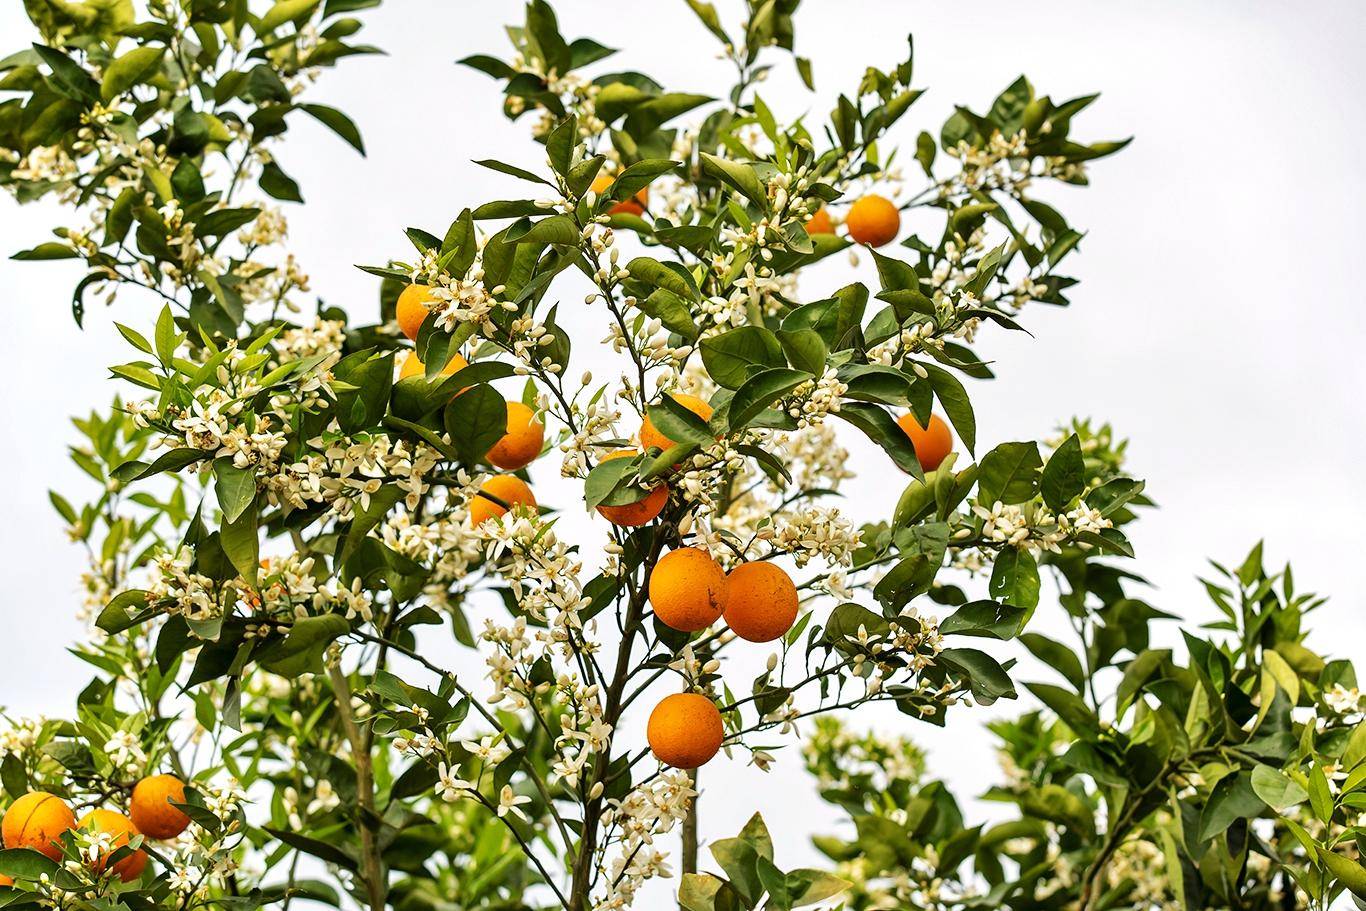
(733, 356)
(679, 424)
(282, 12)
(1057, 656)
(127, 70)
(761, 391)
(805, 349)
(882, 429)
(1350, 873)
(278, 184)
(115, 617)
(476, 420)
(236, 488)
(671, 310)
(557, 229)
(1232, 798)
(1276, 789)
(1068, 706)
(26, 864)
(1009, 474)
(48, 250)
(301, 650)
(338, 123)
(986, 678)
(736, 175)
(984, 618)
(242, 544)
(1015, 578)
(1064, 477)
(957, 405)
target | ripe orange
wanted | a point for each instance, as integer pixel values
(685, 730)
(873, 220)
(414, 367)
(820, 223)
(122, 830)
(650, 438)
(5, 881)
(411, 309)
(932, 443)
(151, 810)
(37, 821)
(633, 206)
(522, 442)
(761, 602)
(688, 590)
(640, 512)
(506, 487)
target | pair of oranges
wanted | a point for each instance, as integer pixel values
(38, 819)
(872, 220)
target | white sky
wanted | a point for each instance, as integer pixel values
(1216, 324)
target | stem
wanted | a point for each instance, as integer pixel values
(372, 866)
(690, 829)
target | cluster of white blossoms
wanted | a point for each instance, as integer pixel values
(1344, 700)
(812, 401)
(19, 735)
(124, 749)
(1034, 527)
(189, 594)
(458, 299)
(813, 532)
(594, 425)
(443, 542)
(341, 471)
(1004, 164)
(651, 809)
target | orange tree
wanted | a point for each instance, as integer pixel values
(292, 510)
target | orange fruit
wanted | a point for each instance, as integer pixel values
(37, 821)
(688, 589)
(522, 442)
(411, 309)
(122, 830)
(414, 367)
(932, 443)
(641, 512)
(508, 488)
(633, 206)
(650, 438)
(151, 810)
(761, 601)
(873, 220)
(685, 730)
(5, 881)
(820, 222)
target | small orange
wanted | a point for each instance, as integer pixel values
(650, 438)
(641, 512)
(521, 444)
(688, 589)
(5, 881)
(37, 820)
(820, 223)
(685, 730)
(932, 443)
(633, 206)
(873, 220)
(506, 487)
(411, 309)
(121, 829)
(761, 602)
(151, 808)
(414, 367)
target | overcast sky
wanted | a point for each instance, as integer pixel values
(1217, 324)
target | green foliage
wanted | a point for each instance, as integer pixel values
(282, 538)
